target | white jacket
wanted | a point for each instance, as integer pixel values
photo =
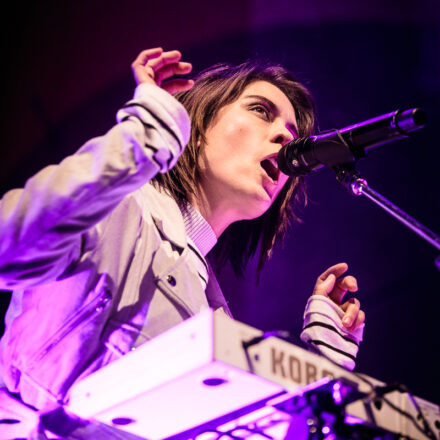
(83, 246)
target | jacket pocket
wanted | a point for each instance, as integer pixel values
(100, 298)
(179, 282)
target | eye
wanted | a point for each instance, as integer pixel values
(261, 109)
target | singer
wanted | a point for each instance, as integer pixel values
(109, 248)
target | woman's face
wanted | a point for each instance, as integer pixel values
(240, 176)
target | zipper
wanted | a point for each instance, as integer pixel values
(94, 307)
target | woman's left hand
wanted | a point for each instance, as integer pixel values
(330, 285)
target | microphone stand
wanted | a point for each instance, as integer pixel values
(357, 185)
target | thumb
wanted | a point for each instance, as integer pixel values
(324, 287)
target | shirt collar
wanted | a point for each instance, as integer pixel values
(198, 229)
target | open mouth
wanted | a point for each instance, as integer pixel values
(271, 167)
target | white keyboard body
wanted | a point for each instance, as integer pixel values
(197, 374)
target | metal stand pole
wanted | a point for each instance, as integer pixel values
(357, 185)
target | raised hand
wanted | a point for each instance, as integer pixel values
(330, 285)
(154, 66)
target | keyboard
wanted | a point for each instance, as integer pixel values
(197, 380)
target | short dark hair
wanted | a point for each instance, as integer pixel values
(215, 88)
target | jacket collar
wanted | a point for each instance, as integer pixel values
(168, 219)
(166, 214)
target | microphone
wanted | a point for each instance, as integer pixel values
(347, 145)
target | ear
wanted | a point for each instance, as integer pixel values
(200, 142)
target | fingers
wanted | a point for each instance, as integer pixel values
(360, 319)
(179, 68)
(154, 66)
(335, 289)
(342, 286)
(142, 71)
(324, 286)
(172, 56)
(354, 317)
(146, 55)
(326, 281)
(337, 270)
(177, 85)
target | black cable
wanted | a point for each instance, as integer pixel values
(426, 430)
(282, 334)
(286, 335)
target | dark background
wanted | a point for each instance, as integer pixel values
(65, 72)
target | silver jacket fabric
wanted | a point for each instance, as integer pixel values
(83, 246)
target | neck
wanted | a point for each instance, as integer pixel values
(214, 210)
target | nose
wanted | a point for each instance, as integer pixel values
(282, 135)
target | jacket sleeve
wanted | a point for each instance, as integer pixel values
(324, 332)
(41, 224)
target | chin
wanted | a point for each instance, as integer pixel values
(252, 204)
(257, 209)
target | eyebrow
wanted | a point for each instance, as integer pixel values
(273, 108)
